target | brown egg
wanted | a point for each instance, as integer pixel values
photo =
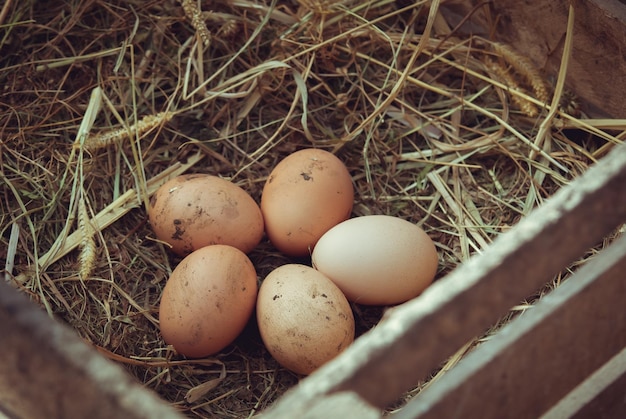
(196, 210)
(303, 318)
(208, 300)
(377, 259)
(306, 194)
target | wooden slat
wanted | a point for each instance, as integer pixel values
(46, 371)
(538, 32)
(602, 396)
(540, 357)
(419, 335)
(342, 405)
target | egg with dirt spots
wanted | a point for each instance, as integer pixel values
(208, 300)
(196, 210)
(306, 194)
(303, 318)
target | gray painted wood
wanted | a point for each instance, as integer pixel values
(47, 371)
(601, 396)
(540, 357)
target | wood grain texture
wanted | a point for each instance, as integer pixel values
(538, 358)
(601, 396)
(536, 29)
(47, 371)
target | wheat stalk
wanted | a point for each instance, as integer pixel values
(87, 245)
(116, 136)
(525, 68)
(505, 77)
(194, 14)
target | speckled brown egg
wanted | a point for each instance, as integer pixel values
(208, 300)
(196, 210)
(306, 194)
(303, 318)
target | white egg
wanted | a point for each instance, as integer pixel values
(377, 259)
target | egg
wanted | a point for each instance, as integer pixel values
(192, 211)
(306, 194)
(377, 259)
(207, 300)
(303, 318)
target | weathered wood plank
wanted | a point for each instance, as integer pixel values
(46, 371)
(425, 331)
(602, 396)
(540, 357)
(537, 31)
(344, 404)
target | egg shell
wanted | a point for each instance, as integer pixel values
(306, 194)
(195, 210)
(377, 259)
(208, 300)
(303, 318)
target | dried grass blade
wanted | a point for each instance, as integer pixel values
(404, 75)
(546, 124)
(197, 392)
(461, 214)
(113, 212)
(5, 10)
(93, 107)
(270, 11)
(304, 94)
(543, 139)
(451, 362)
(11, 251)
(471, 105)
(244, 48)
(62, 62)
(267, 145)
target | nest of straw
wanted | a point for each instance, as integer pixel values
(103, 101)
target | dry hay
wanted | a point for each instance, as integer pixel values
(103, 100)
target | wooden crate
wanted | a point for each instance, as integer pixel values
(564, 357)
